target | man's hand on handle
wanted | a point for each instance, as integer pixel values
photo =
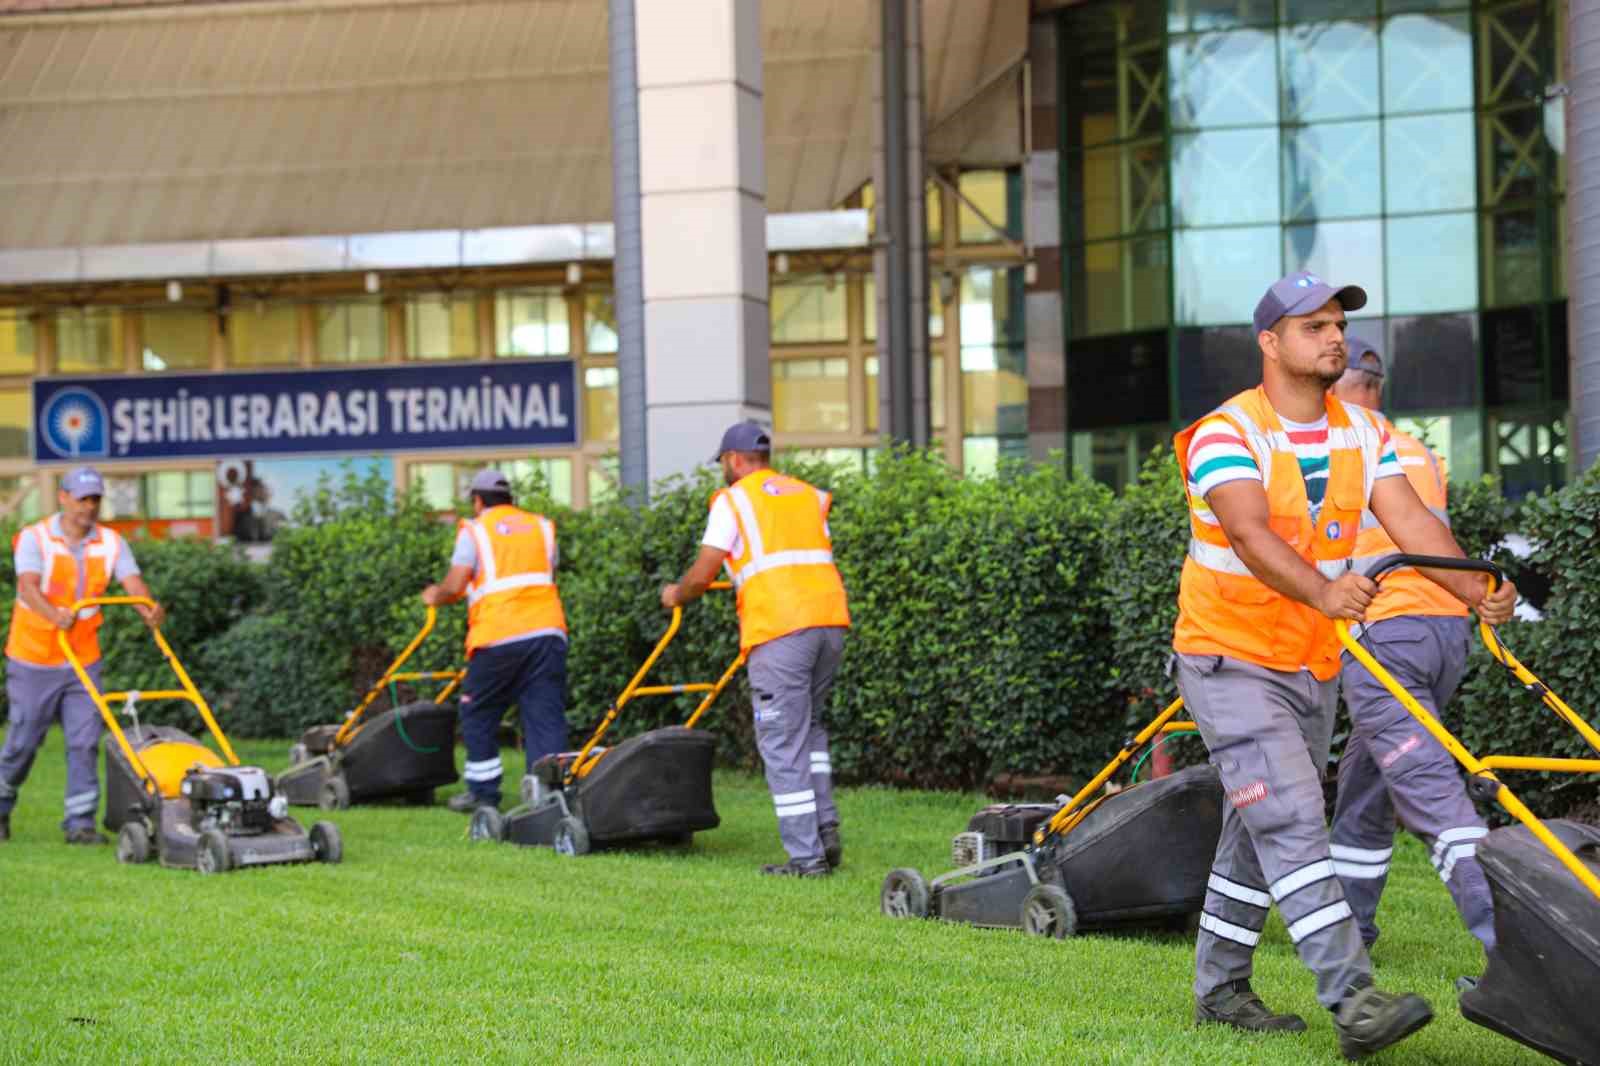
(1496, 608)
(432, 596)
(153, 615)
(1347, 597)
(669, 596)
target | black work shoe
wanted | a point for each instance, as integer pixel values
(87, 836)
(1369, 1020)
(1237, 1005)
(832, 847)
(1465, 984)
(5, 827)
(814, 868)
(466, 803)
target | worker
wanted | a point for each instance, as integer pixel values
(67, 557)
(1277, 479)
(505, 563)
(1391, 764)
(771, 531)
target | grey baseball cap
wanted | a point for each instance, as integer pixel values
(84, 481)
(744, 437)
(1359, 350)
(1302, 293)
(489, 480)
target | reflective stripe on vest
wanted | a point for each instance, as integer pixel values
(1407, 591)
(62, 582)
(489, 582)
(1227, 561)
(505, 606)
(759, 561)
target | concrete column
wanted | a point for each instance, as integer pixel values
(703, 196)
(1583, 237)
(900, 261)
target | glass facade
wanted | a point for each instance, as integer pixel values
(1403, 145)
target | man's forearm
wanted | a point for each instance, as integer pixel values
(1426, 535)
(1278, 566)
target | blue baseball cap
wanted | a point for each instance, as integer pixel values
(1302, 293)
(84, 481)
(489, 480)
(1359, 350)
(744, 437)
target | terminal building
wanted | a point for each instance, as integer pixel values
(246, 241)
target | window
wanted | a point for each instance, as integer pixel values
(935, 392)
(16, 423)
(600, 415)
(869, 307)
(531, 322)
(994, 381)
(811, 395)
(444, 484)
(599, 323)
(1456, 437)
(351, 331)
(263, 335)
(89, 341)
(930, 198)
(605, 477)
(442, 326)
(808, 310)
(19, 498)
(177, 340)
(18, 345)
(178, 494)
(989, 191)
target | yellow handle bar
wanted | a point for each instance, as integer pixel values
(101, 700)
(1162, 723)
(352, 721)
(1474, 766)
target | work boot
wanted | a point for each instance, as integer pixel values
(1236, 1004)
(5, 827)
(87, 835)
(1369, 1020)
(467, 802)
(814, 868)
(832, 847)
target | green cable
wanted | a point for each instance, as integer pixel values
(400, 727)
(1133, 778)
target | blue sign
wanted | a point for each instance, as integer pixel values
(510, 404)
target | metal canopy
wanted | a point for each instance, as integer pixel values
(133, 123)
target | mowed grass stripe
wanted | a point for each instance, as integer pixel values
(423, 947)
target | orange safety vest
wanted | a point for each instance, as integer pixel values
(784, 573)
(1407, 591)
(33, 637)
(1223, 609)
(513, 592)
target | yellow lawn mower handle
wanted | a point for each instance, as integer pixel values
(1482, 770)
(352, 721)
(103, 700)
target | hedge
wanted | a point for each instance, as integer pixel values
(1016, 623)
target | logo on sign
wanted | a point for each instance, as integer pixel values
(73, 424)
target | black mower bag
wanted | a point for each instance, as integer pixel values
(399, 752)
(657, 784)
(1539, 986)
(1139, 857)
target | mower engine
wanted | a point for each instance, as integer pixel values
(236, 799)
(998, 830)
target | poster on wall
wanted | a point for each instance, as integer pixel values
(255, 497)
(508, 403)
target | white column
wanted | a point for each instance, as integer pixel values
(703, 191)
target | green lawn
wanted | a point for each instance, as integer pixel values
(423, 947)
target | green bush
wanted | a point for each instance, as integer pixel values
(272, 679)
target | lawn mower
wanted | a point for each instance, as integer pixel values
(1139, 857)
(652, 787)
(1538, 987)
(406, 751)
(170, 797)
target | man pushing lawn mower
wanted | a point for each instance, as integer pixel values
(772, 533)
(505, 563)
(1277, 479)
(65, 558)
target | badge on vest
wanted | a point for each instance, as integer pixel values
(1334, 531)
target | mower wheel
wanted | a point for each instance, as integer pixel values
(486, 824)
(133, 843)
(212, 855)
(1047, 911)
(904, 894)
(335, 794)
(572, 838)
(326, 843)
(298, 754)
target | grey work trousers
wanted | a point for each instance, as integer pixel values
(790, 678)
(1268, 733)
(1393, 765)
(38, 696)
